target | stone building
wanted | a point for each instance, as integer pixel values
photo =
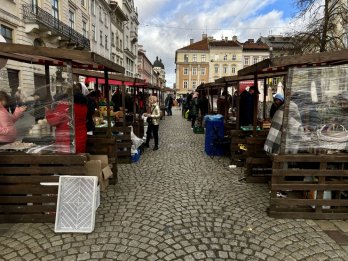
(145, 68)
(279, 45)
(160, 73)
(254, 52)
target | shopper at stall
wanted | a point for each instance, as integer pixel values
(278, 101)
(153, 119)
(204, 104)
(195, 109)
(246, 104)
(92, 106)
(59, 117)
(8, 132)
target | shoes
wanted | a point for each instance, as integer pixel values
(146, 146)
(155, 148)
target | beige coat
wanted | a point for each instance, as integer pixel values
(155, 114)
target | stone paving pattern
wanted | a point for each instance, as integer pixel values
(178, 204)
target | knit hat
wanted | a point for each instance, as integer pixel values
(278, 96)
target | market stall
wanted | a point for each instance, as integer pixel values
(44, 142)
(247, 141)
(309, 147)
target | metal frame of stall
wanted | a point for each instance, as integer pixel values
(23, 198)
(327, 179)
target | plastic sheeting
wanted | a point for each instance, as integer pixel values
(319, 119)
(34, 122)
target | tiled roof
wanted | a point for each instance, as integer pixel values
(255, 46)
(224, 43)
(200, 46)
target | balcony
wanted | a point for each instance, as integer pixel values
(134, 36)
(38, 19)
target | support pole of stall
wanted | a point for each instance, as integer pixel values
(265, 91)
(96, 84)
(47, 82)
(69, 71)
(226, 103)
(256, 104)
(212, 101)
(124, 104)
(285, 116)
(238, 107)
(209, 109)
(107, 97)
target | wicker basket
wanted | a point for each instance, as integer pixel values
(333, 137)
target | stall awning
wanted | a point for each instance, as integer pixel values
(112, 82)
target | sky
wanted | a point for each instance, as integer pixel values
(167, 25)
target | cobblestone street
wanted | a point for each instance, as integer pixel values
(177, 204)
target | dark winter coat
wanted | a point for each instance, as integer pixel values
(246, 110)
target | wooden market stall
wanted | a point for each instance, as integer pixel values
(247, 141)
(309, 176)
(27, 193)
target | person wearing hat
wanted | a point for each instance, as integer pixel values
(246, 107)
(278, 100)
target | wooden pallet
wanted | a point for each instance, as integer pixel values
(330, 173)
(22, 198)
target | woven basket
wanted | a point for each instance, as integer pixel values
(333, 137)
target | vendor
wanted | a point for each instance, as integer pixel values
(8, 132)
(278, 101)
(246, 104)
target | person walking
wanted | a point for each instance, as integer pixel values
(169, 105)
(195, 109)
(153, 119)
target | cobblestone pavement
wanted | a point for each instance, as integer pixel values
(177, 204)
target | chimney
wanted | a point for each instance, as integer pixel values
(234, 38)
(204, 36)
(226, 39)
(192, 41)
(250, 40)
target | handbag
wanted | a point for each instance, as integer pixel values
(149, 119)
(333, 137)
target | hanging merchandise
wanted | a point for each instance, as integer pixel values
(280, 88)
(269, 95)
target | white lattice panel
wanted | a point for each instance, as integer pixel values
(77, 196)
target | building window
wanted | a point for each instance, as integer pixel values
(202, 82)
(233, 70)
(112, 39)
(106, 19)
(106, 41)
(186, 71)
(6, 32)
(186, 58)
(246, 60)
(83, 3)
(194, 71)
(202, 71)
(203, 58)
(225, 69)
(101, 38)
(216, 68)
(84, 28)
(194, 84)
(256, 60)
(94, 33)
(194, 58)
(55, 9)
(234, 57)
(93, 7)
(185, 84)
(225, 57)
(72, 19)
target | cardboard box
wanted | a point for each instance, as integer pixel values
(97, 165)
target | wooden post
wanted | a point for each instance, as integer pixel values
(212, 101)
(238, 107)
(285, 115)
(47, 81)
(107, 97)
(124, 104)
(226, 102)
(265, 91)
(69, 71)
(256, 104)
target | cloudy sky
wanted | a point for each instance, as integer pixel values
(167, 25)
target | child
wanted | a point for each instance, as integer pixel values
(8, 132)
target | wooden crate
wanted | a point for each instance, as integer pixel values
(330, 173)
(101, 145)
(123, 140)
(22, 198)
(254, 157)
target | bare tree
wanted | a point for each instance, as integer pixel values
(325, 25)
